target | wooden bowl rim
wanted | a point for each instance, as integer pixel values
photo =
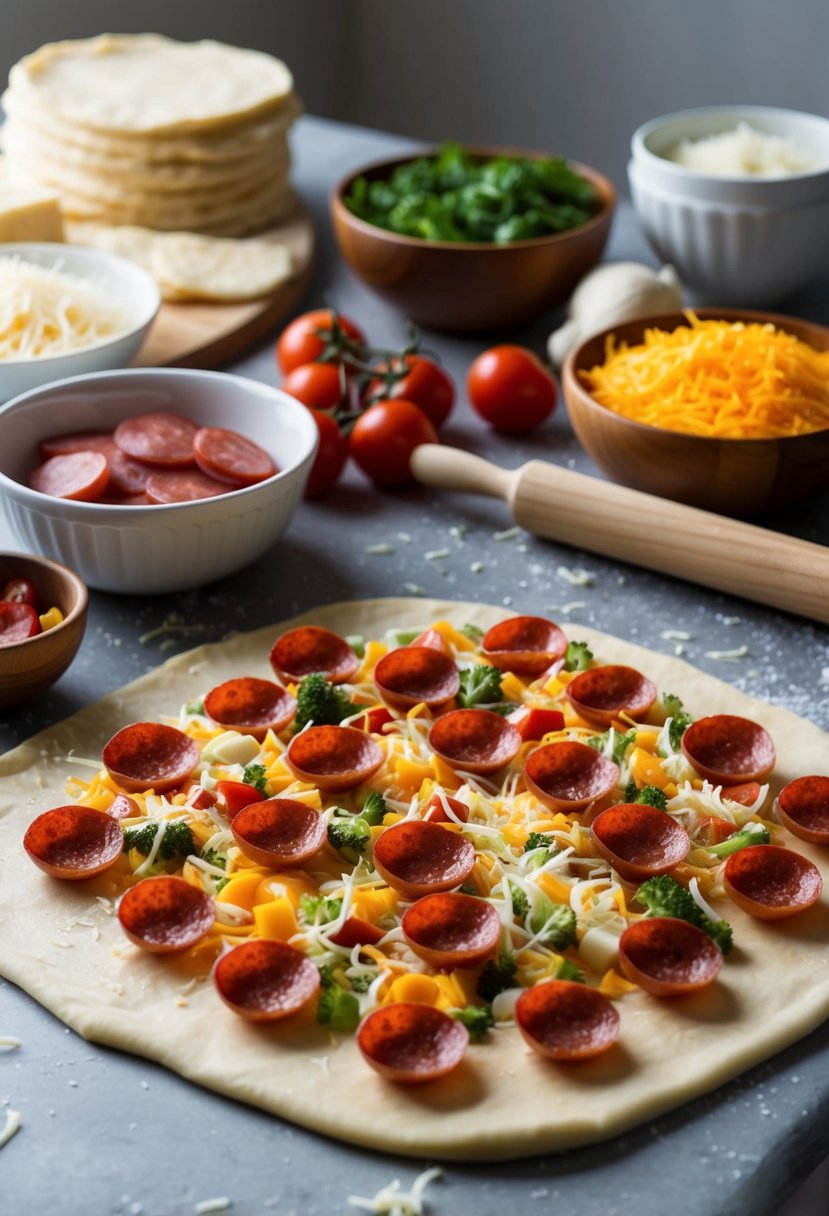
(606, 189)
(74, 582)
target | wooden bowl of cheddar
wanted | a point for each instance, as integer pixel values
(721, 408)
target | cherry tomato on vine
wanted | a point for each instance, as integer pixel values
(421, 380)
(511, 389)
(330, 458)
(384, 437)
(317, 385)
(311, 335)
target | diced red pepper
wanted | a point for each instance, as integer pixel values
(373, 720)
(434, 810)
(199, 798)
(357, 932)
(745, 793)
(237, 795)
(533, 724)
(432, 640)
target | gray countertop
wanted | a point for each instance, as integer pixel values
(105, 1133)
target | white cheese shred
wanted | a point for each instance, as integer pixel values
(391, 1201)
(12, 1125)
(220, 1204)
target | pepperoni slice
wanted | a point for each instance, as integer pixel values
(123, 807)
(435, 809)
(250, 706)
(452, 930)
(74, 842)
(76, 441)
(181, 485)
(158, 438)
(357, 932)
(727, 750)
(668, 957)
(308, 649)
(564, 1020)
(17, 622)
(601, 694)
(127, 477)
(411, 674)
(411, 1043)
(165, 914)
(527, 645)
(769, 882)
(803, 807)
(333, 757)
(431, 638)
(474, 740)
(266, 980)
(231, 457)
(149, 755)
(533, 724)
(418, 858)
(237, 795)
(568, 776)
(639, 841)
(279, 832)
(79, 476)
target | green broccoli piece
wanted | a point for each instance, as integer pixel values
(664, 896)
(631, 791)
(404, 637)
(520, 903)
(467, 888)
(569, 971)
(177, 840)
(254, 775)
(214, 858)
(374, 810)
(541, 840)
(578, 657)
(195, 708)
(317, 910)
(336, 1008)
(473, 633)
(680, 719)
(556, 922)
(652, 795)
(480, 685)
(497, 976)
(363, 981)
(621, 743)
(752, 833)
(321, 702)
(350, 837)
(476, 1018)
(357, 643)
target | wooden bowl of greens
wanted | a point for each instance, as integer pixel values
(471, 240)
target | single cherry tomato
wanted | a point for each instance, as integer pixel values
(511, 389)
(384, 438)
(17, 622)
(320, 386)
(331, 455)
(417, 379)
(316, 334)
(20, 591)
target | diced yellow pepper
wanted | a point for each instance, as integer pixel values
(276, 919)
(373, 655)
(202, 832)
(614, 985)
(241, 889)
(453, 636)
(512, 689)
(411, 775)
(372, 904)
(391, 817)
(422, 989)
(289, 886)
(645, 769)
(445, 775)
(553, 886)
(49, 619)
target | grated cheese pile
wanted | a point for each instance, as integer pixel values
(44, 311)
(720, 379)
(744, 152)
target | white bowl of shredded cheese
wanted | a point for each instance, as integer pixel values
(736, 198)
(66, 311)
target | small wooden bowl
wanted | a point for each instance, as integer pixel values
(26, 668)
(470, 287)
(729, 476)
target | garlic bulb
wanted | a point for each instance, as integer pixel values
(612, 295)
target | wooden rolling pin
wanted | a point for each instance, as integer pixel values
(643, 529)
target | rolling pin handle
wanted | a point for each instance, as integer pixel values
(448, 468)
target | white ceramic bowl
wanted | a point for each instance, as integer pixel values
(151, 549)
(744, 240)
(121, 281)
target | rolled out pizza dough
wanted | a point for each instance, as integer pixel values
(504, 1101)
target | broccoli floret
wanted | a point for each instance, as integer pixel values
(631, 790)
(255, 775)
(556, 922)
(540, 840)
(350, 837)
(336, 1008)
(480, 685)
(520, 903)
(317, 910)
(467, 888)
(664, 896)
(363, 981)
(214, 858)
(473, 633)
(194, 709)
(321, 702)
(497, 976)
(374, 810)
(476, 1018)
(652, 795)
(578, 657)
(569, 971)
(621, 743)
(680, 719)
(177, 840)
(752, 833)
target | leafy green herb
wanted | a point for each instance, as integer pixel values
(255, 775)
(579, 656)
(621, 743)
(664, 896)
(497, 976)
(476, 1018)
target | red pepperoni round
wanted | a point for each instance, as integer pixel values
(158, 438)
(601, 694)
(411, 674)
(165, 914)
(17, 622)
(127, 477)
(418, 858)
(452, 930)
(668, 957)
(528, 645)
(237, 795)
(308, 649)
(79, 476)
(168, 486)
(357, 932)
(568, 776)
(726, 749)
(769, 882)
(474, 740)
(266, 980)
(74, 842)
(76, 441)
(231, 457)
(250, 706)
(564, 1020)
(435, 809)
(123, 807)
(149, 755)
(803, 807)
(333, 757)
(279, 832)
(639, 841)
(411, 1043)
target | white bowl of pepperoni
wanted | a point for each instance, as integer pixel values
(147, 481)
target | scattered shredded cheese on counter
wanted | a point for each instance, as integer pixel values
(391, 1201)
(11, 1126)
(728, 656)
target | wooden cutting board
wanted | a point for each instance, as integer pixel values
(208, 335)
